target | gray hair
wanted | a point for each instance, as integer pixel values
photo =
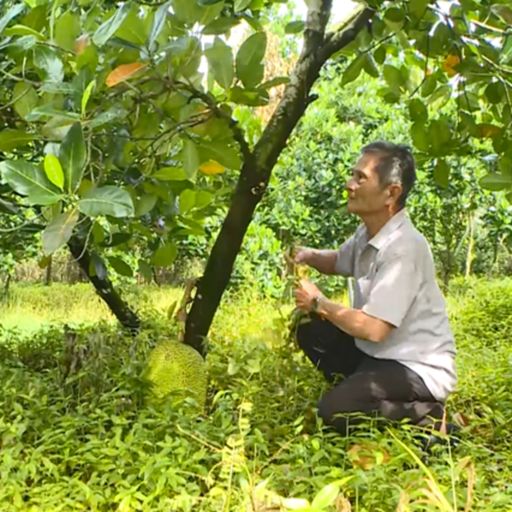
(395, 166)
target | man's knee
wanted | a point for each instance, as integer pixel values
(335, 414)
(306, 332)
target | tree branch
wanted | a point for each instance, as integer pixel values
(335, 41)
(256, 170)
(238, 133)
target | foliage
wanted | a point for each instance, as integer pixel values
(107, 117)
(84, 439)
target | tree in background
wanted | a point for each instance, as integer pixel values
(114, 131)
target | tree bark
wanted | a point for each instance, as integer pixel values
(104, 287)
(258, 164)
(48, 275)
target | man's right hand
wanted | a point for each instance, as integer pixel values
(302, 255)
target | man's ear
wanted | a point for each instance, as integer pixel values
(393, 192)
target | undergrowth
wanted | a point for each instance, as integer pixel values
(76, 433)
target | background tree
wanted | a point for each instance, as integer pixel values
(111, 129)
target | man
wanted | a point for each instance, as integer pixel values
(394, 346)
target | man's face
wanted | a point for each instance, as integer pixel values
(365, 193)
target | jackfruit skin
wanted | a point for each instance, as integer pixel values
(177, 368)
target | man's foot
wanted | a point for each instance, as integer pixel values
(449, 438)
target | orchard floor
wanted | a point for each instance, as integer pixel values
(77, 434)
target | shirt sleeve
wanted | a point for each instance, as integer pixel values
(345, 258)
(394, 288)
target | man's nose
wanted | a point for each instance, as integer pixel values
(350, 184)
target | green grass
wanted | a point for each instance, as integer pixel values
(85, 440)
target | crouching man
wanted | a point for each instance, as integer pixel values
(394, 346)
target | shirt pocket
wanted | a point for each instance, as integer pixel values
(364, 283)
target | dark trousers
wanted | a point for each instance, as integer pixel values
(379, 388)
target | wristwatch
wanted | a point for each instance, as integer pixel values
(316, 303)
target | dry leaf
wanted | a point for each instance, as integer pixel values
(81, 44)
(123, 72)
(211, 167)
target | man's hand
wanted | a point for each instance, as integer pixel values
(305, 294)
(302, 255)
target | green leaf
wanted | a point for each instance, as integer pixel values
(326, 497)
(393, 77)
(418, 111)
(203, 198)
(47, 60)
(133, 28)
(241, 5)
(28, 180)
(190, 157)
(220, 60)
(26, 99)
(10, 15)
(108, 28)
(73, 157)
(294, 27)
(113, 113)
(192, 12)
(228, 156)
(420, 138)
(440, 136)
(11, 139)
(67, 29)
(394, 18)
(380, 54)
(86, 95)
(145, 204)
(353, 70)
(187, 200)
(429, 85)
(24, 31)
(53, 170)
(98, 233)
(495, 92)
(107, 200)
(164, 255)
(418, 7)
(496, 182)
(170, 174)
(370, 66)
(256, 98)
(59, 231)
(48, 110)
(442, 173)
(220, 26)
(504, 12)
(249, 60)
(158, 24)
(274, 82)
(120, 266)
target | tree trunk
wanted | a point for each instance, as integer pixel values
(6, 286)
(103, 286)
(48, 276)
(471, 244)
(258, 165)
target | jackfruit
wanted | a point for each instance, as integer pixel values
(176, 368)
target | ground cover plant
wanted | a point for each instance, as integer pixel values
(77, 433)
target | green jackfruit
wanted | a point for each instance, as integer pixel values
(177, 368)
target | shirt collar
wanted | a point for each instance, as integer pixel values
(385, 231)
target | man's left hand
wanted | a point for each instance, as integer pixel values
(305, 294)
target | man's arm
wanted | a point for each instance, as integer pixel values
(354, 321)
(323, 260)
